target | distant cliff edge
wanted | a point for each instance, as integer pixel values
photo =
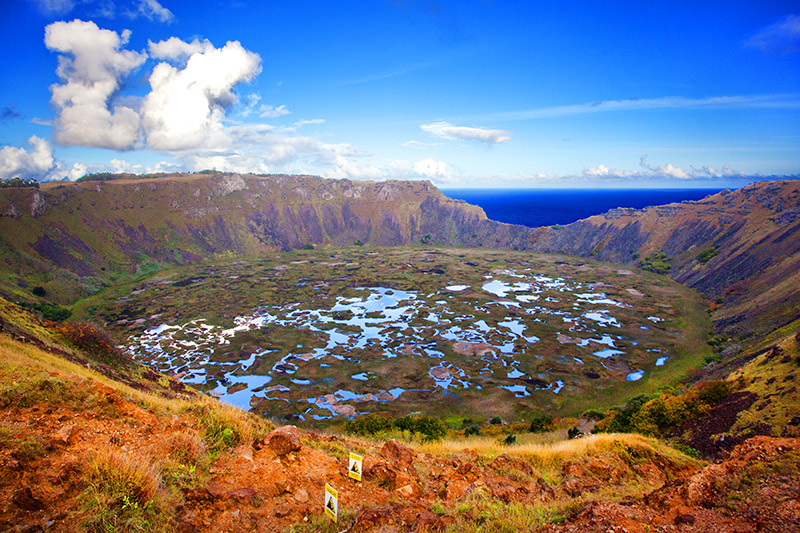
(740, 248)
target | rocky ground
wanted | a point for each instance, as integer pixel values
(277, 482)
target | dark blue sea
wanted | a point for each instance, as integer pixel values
(546, 207)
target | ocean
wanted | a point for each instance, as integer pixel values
(546, 207)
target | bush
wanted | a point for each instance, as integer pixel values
(39, 291)
(541, 423)
(511, 439)
(706, 255)
(472, 430)
(308, 246)
(368, 425)
(573, 433)
(712, 392)
(593, 414)
(428, 427)
(94, 342)
(496, 421)
(54, 313)
(656, 262)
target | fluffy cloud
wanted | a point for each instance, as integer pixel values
(464, 133)
(175, 49)
(434, 170)
(185, 107)
(650, 172)
(20, 163)
(783, 37)
(90, 66)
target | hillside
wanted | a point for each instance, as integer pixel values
(72, 238)
(739, 248)
(81, 451)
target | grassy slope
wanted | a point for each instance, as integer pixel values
(102, 455)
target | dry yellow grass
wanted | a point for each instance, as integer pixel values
(556, 453)
(18, 354)
(247, 426)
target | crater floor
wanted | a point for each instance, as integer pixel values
(314, 336)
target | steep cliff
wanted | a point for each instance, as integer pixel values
(72, 237)
(739, 248)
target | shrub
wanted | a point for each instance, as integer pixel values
(511, 439)
(52, 312)
(308, 246)
(428, 427)
(593, 414)
(496, 421)
(712, 392)
(572, 433)
(358, 242)
(656, 262)
(706, 255)
(93, 341)
(368, 425)
(39, 291)
(541, 423)
(472, 430)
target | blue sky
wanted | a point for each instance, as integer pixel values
(467, 94)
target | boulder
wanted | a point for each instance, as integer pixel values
(284, 440)
(398, 455)
(24, 499)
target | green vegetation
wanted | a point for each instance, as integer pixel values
(541, 422)
(658, 415)
(427, 427)
(706, 255)
(656, 262)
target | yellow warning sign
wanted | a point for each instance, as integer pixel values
(331, 502)
(354, 470)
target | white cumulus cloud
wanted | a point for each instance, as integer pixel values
(175, 49)
(90, 66)
(185, 107)
(35, 163)
(464, 133)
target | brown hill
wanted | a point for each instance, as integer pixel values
(739, 248)
(71, 238)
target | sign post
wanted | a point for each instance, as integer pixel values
(355, 468)
(331, 502)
